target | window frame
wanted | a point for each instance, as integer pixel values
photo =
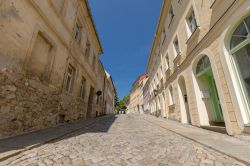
(78, 32)
(171, 95)
(189, 23)
(82, 88)
(167, 61)
(171, 14)
(69, 87)
(87, 48)
(237, 72)
(177, 51)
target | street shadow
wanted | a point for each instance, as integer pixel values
(54, 134)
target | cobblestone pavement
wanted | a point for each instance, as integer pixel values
(122, 140)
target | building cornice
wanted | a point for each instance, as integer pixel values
(206, 39)
(160, 26)
(91, 20)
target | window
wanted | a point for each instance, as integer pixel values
(87, 50)
(82, 88)
(171, 95)
(97, 100)
(191, 22)
(167, 62)
(171, 13)
(241, 34)
(164, 36)
(69, 78)
(94, 62)
(161, 72)
(40, 59)
(176, 46)
(203, 64)
(240, 50)
(158, 77)
(78, 34)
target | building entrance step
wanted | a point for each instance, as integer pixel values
(247, 129)
(214, 123)
(219, 129)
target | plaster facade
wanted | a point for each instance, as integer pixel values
(49, 64)
(136, 103)
(191, 65)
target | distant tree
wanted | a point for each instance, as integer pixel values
(117, 104)
(123, 102)
(126, 99)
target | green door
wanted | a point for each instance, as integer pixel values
(214, 96)
(204, 70)
(208, 75)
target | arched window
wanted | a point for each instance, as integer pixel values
(203, 64)
(240, 50)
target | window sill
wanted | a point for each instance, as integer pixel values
(177, 58)
(195, 32)
(171, 107)
(167, 72)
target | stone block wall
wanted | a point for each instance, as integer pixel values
(26, 104)
(71, 108)
(173, 113)
(29, 104)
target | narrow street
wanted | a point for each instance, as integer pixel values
(122, 140)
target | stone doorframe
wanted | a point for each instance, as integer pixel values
(218, 80)
(184, 112)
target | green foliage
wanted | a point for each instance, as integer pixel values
(121, 105)
(117, 104)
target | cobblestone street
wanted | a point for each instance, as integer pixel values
(121, 140)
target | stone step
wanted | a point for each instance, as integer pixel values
(247, 129)
(219, 129)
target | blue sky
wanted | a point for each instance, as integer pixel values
(126, 29)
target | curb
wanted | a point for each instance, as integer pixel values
(210, 147)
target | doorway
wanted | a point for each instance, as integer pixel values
(90, 102)
(209, 93)
(183, 101)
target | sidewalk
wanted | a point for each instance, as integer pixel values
(10, 147)
(231, 146)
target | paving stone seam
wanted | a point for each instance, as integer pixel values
(50, 140)
(210, 147)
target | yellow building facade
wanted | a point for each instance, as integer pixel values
(199, 64)
(136, 101)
